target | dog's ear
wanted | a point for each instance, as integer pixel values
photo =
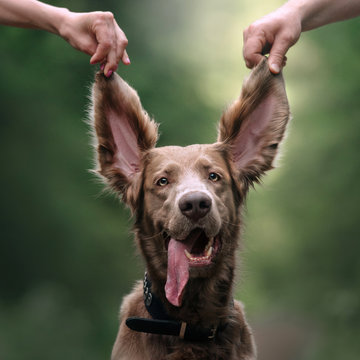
(123, 131)
(254, 125)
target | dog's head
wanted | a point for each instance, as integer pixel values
(187, 200)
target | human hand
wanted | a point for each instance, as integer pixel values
(96, 34)
(275, 33)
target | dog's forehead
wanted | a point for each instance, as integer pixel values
(186, 157)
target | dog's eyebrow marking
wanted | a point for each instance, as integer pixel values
(204, 162)
(211, 164)
(170, 169)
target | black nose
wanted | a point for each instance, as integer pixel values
(195, 205)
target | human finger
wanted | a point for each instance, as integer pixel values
(125, 58)
(252, 52)
(114, 56)
(116, 53)
(102, 35)
(277, 53)
(121, 54)
(101, 52)
(254, 43)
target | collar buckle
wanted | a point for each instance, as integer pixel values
(213, 333)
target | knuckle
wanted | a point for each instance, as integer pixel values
(251, 28)
(288, 38)
(254, 29)
(106, 44)
(103, 18)
(107, 16)
(248, 64)
(246, 55)
(124, 42)
(250, 59)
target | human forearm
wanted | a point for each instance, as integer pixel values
(32, 14)
(316, 13)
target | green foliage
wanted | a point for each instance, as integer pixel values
(66, 251)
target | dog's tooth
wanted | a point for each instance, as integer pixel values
(209, 252)
(207, 255)
(188, 255)
(209, 245)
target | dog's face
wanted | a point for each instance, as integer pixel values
(187, 199)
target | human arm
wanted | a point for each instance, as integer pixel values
(281, 29)
(95, 33)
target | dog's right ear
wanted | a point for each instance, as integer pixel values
(124, 131)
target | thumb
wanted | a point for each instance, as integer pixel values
(277, 54)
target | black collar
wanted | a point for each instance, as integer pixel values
(162, 324)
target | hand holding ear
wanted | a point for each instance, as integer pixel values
(274, 34)
(97, 34)
(94, 33)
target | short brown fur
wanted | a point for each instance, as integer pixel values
(248, 137)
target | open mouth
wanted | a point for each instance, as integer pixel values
(200, 249)
(196, 250)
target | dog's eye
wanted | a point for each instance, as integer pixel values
(162, 182)
(214, 177)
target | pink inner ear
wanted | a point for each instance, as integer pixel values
(248, 142)
(126, 156)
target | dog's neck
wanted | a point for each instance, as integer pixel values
(162, 324)
(205, 300)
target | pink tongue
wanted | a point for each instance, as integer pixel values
(177, 273)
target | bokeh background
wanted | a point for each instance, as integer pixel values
(66, 251)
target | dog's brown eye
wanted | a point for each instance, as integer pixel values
(162, 182)
(214, 177)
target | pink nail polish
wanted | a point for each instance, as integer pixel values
(102, 67)
(109, 73)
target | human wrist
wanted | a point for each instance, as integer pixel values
(297, 11)
(59, 20)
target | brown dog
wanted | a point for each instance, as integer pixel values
(187, 205)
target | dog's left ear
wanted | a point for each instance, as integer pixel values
(254, 125)
(124, 132)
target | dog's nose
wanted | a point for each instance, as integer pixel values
(195, 205)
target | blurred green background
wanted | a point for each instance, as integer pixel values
(66, 251)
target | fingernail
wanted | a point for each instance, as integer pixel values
(102, 67)
(275, 68)
(127, 60)
(109, 73)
